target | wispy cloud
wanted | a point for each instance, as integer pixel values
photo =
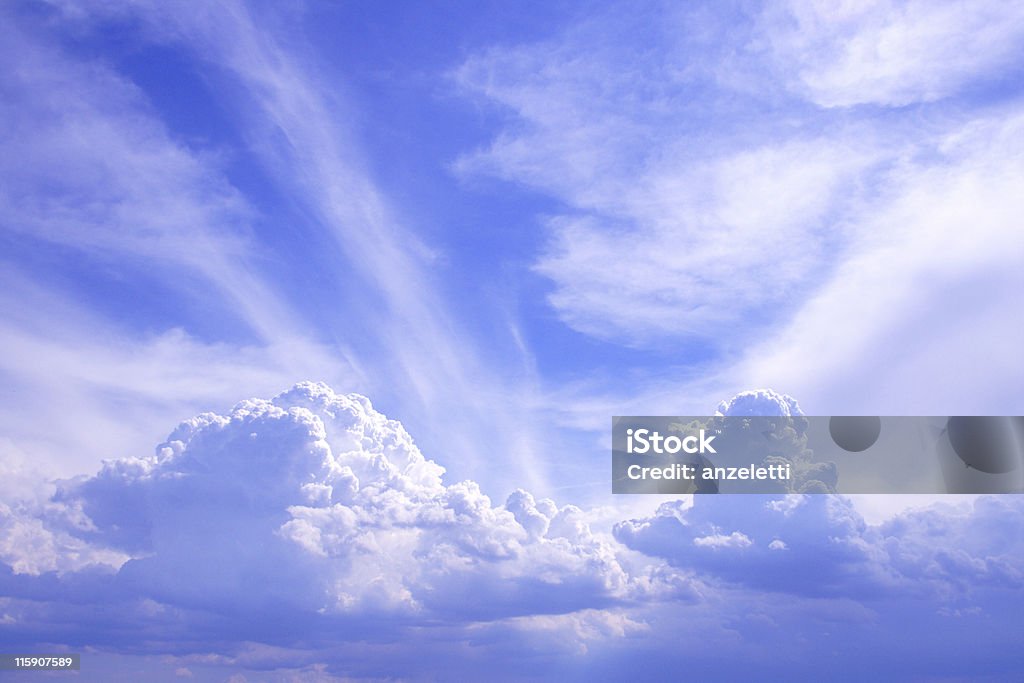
(919, 318)
(409, 333)
(708, 206)
(81, 388)
(93, 180)
(685, 219)
(96, 171)
(892, 53)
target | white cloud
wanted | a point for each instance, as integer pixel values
(918, 320)
(319, 502)
(863, 260)
(760, 402)
(315, 508)
(29, 546)
(733, 540)
(940, 552)
(681, 221)
(92, 180)
(892, 52)
(90, 167)
(95, 171)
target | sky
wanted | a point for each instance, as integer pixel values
(314, 318)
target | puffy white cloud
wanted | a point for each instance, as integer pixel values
(733, 540)
(309, 531)
(29, 546)
(760, 402)
(307, 535)
(788, 444)
(830, 551)
(316, 501)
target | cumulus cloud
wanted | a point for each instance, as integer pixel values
(316, 502)
(29, 546)
(819, 546)
(764, 439)
(760, 402)
(829, 549)
(307, 534)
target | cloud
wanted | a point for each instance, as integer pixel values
(28, 546)
(298, 113)
(892, 53)
(733, 540)
(315, 503)
(117, 209)
(124, 243)
(96, 171)
(879, 335)
(308, 537)
(830, 551)
(673, 227)
(689, 208)
(760, 402)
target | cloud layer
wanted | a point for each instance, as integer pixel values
(292, 530)
(818, 545)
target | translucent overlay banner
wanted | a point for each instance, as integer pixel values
(662, 454)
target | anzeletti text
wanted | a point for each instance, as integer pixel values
(653, 442)
(690, 472)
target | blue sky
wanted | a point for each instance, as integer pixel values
(503, 224)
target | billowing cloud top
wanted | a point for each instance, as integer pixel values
(760, 402)
(316, 501)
